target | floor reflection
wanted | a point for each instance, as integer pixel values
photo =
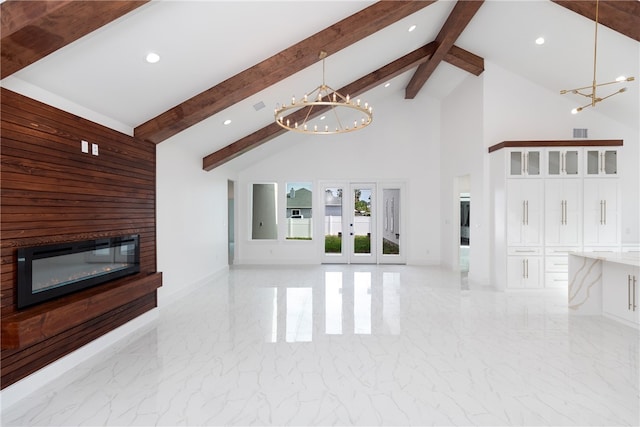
(354, 303)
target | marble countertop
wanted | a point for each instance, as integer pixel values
(627, 258)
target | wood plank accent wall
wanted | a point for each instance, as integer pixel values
(53, 193)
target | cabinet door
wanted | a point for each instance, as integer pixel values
(601, 212)
(571, 232)
(524, 212)
(523, 272)
(602, 162)
(563, 162)
(620, 291)
(523, 163)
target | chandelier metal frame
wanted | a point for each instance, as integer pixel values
(296, 115)
(594, 99)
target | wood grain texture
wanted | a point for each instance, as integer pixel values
(619, 15)
(54, 193)
(32, 30)
(455, 24)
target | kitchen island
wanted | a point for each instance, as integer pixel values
(605, 283)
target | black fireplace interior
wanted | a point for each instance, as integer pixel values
(48, 272)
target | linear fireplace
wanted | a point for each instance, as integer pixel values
(47, 272)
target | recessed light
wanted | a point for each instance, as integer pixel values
(387, 84)
(226, 122)
(152, 57)
(540, 41)
(411, 28)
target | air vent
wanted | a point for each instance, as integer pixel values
(580, 133)
(259, 106)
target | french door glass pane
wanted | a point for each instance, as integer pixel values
(333, 230)
(362, 221)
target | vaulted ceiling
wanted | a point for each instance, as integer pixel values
(224, 60)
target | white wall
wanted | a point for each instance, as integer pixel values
(191, 219)
(401, 145)
(463, 153)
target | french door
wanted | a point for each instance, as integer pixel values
(349, 223)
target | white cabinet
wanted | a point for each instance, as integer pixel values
(563, 162)
(524, 212)
(563, 212)
(621, 292)
(601, 161)
(601, 212)
(523, 272)
(524, 163)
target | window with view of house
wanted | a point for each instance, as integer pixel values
(299, 218)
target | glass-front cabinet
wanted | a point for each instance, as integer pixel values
(602, 162)
(563, 162)
(525, 162)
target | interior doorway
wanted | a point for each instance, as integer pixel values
(463, 236)
(231, 221)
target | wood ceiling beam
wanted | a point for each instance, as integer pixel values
(457, 21)
(276, 68)
(355, 88)
(619, 15)
(465, 60)
(32, 30)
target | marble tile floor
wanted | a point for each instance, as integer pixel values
(354, 345)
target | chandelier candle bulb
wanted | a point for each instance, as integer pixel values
(314, 103)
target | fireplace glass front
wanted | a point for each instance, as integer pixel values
(47, 272)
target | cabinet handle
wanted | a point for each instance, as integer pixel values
(527, 268)
(523, 217)
(526, 163)
(561, 212)
(634, 293)
(605, 212)
(525, 252)
(523, 276)
(629, 291)
(601, 212)
(527, 204)
(601, 162)
(563, 167)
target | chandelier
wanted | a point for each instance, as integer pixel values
(594, 99)
(343, 113)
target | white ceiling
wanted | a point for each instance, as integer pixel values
(202, 43)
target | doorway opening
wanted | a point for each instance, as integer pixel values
(230, 221)
(465, 238)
